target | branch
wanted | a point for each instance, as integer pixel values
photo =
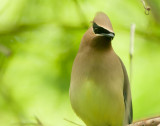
(155, 121)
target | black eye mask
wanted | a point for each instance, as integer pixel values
(104, 32)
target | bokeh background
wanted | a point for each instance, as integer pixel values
(39, 40)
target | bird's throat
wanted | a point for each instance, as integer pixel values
(101, 43)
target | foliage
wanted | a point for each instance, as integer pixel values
(39, 40)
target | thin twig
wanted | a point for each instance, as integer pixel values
(147, 8)
(38, 121)
(133, 26)
(72, 122)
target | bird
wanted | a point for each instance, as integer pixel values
(100, 93)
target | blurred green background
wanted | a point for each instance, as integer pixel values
(39, 40)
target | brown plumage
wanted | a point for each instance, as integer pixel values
(99, 90)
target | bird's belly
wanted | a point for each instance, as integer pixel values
(98, 104)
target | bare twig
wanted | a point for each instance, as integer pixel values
(131, 48)
(147, 8)
(39, 123)
(73, 122)
(155, 121)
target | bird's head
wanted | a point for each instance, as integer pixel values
(100, 34)
(102, 26)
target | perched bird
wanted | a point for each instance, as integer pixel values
(99, 90)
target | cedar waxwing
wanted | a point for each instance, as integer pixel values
(100, 91)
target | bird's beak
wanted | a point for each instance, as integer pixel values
(102, 31)
(109, 35)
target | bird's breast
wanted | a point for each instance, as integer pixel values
(96, 90)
